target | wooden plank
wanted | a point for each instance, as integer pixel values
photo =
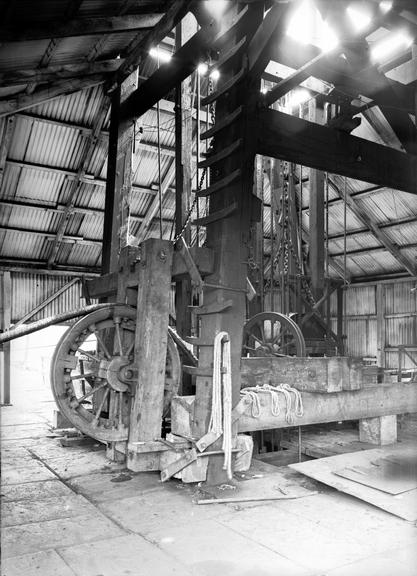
(151, 343)
(382, 400)
(78, 27)
(223, 123)
(325, 375)
(6, 138)
(216, 216)
(293, 139)
(220, 184)
(259, 47)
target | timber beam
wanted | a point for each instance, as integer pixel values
(290, 138)
(319, 408)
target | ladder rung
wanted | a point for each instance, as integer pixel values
(219, 215)
(224, 88)
(221, 155)
(223, 35)
(214, 308)
(222, 123)
(220, 184)
(198, 370)
(197, 341)
(228, 56)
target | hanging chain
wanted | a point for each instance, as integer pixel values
(203, 175)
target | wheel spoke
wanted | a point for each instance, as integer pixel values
(131, 348)
(119, 338)
(80, 376)
(100, 408)
(120, 398)
(92, 391)
(103, 346)
(252, 335)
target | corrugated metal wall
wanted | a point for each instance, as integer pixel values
(29, 290)
(397, 321)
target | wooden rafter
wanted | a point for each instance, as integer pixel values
(48, 92)
(79, 27)
(375, 229)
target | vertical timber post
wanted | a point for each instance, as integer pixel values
(6, 294)
(183, 173)
(228, 237)
(150, 349)
(316, 228)
(380, 324)
(116, 232)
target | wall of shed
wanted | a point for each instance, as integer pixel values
(397, 321)
(29, 290)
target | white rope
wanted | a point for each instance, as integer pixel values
(221, 416)
(293, 400)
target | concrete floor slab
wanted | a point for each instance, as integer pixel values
(24, 512)
(378, 565)
(27, 538)
(306, 542)
(80, 464)
(169, 508)
(34, 491)
(23, 431)
(45, 563)
(124, 556)
(33, 472)
(211, 549)
(106, 488)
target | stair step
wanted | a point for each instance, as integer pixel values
(215, 216)
(224, 88)
(227, 151)
(220, 184)
(221, 124)
(228, 56)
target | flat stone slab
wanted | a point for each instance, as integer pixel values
(211, 549)
(105, 488)
(33, 472)
(34, 491)
(45, 563)
(80, 464)
(28, 538)
(20, 432)
(128, 555)
(25, 511)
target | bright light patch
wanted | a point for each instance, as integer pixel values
(360, 19)
(160, 55)
(215, 75)
(391, 45)
(298, 97)
(264, 90)
(202, 68)
(307, 27)
(216, 7)
(385, 6)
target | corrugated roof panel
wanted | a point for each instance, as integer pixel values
(83, 255)
(54, 145)
(17, 245)
(40, 185)
(80, 107)
(91, 226)
(390, 205)
(10, 180)
(98, 159)
(20, 217)
(27, 54)
(91, 196)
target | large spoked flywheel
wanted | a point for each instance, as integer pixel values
(272, 334)
(93, 373)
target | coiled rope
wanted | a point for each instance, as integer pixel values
(293, 400)
(221, 407)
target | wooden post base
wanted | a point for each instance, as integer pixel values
(381, 430)
(59, 421)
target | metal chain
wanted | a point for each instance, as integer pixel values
(203, 175)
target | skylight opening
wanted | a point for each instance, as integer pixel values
(308, 27)
(359, 18)
(390, 46)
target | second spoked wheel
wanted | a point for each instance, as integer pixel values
(93, 373)
(272, 334)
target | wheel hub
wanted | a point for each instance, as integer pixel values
(115, 371)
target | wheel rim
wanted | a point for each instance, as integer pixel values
(272, 334)
(93, 371)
